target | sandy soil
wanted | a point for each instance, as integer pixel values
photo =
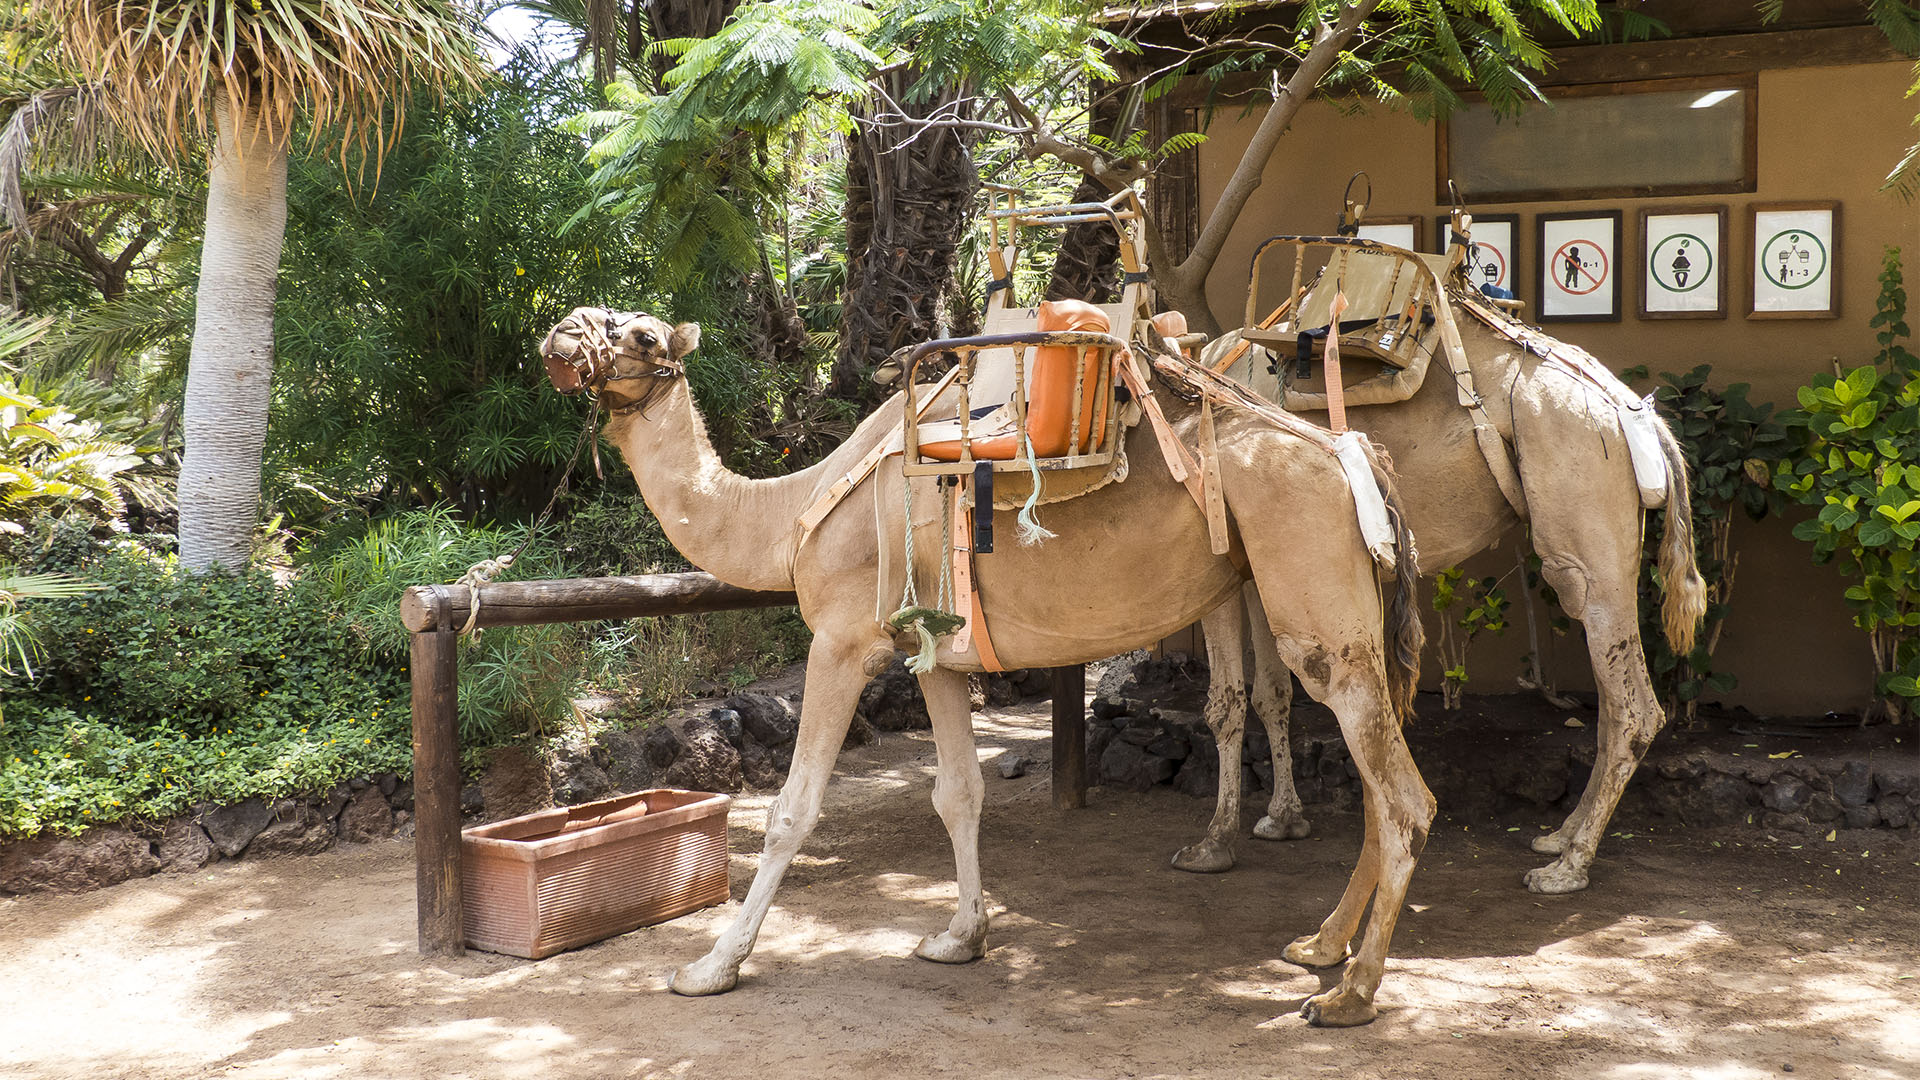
(1721, 955)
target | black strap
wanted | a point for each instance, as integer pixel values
(997, 284)
(983, 508)
(1134, 277)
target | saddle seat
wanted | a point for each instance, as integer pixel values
(993, 432)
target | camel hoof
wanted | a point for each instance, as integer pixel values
(1310, 952)
(1556, 878)
(946, 948)
(1338, 1007)
(704, 976)
(1206, 857)
(1292, 825)
(1552, 843)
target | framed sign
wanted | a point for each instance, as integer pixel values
(1577, 271)
(1398, 231)
(1494, 258)
(1794, 261)
(1683, 259)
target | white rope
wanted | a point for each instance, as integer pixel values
(479, 574)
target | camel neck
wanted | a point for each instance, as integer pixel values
(741, 531)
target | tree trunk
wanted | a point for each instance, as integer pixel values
(230, 369)
(907, 210)
(1086, 266)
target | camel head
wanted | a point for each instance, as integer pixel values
(593, 347)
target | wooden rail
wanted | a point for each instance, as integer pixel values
(436, 613)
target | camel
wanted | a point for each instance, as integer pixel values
(1129, 563)
(1585, 513)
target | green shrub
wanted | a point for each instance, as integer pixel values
(163, 690)
(1859, 463)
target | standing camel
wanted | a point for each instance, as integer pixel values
(1130, 563)
(1584, 508)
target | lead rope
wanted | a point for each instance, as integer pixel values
(929, 623)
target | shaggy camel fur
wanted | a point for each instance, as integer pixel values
(1585, 512)
(1131, 563)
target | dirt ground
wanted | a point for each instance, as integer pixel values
(1720, 955)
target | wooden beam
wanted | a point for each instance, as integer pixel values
(439, 908)
(1070, 737)
(1573, 65)
(527, 603)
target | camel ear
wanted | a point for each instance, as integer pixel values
(685, 339)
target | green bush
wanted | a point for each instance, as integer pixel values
(1859, 464)
(163, 690)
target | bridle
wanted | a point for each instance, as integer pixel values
(594, 364)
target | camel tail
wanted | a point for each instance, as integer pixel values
(1685, 599)
(1405, 635)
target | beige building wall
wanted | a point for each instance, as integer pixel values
(1823, 133)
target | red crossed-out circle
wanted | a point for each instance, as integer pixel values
(1559, 262)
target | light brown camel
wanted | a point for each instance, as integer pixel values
(1585, 512)
(1130, 563)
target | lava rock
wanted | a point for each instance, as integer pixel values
(576, 780)
(184, 847)
(93, 860)
(1108, 709)
(756, 766)
(1895, 812)
(996, 690)
(1853, 784)
(627, 763)
(727, 723)
(708, 763)
(1786, 794)
(771, 721)
(1199, 776)
(663, 745)
(1033, 684)
(471, 801)
(1170, 745)
(1897, 775)
(1013, 766)
(1141, 730)
(387, 781)
(232, 828)
(1823, 808)
(1099, 736)
(401, 797)
(514, 783)
(336, 801)
(1860, 817)
(1795, 823)
(297, 829)
(893, 702)
(1125, 765)
(367, 818)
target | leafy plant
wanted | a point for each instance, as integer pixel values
(1484, 603)
(1732, 449)
(1859, 463)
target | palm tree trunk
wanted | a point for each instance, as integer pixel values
(907, 209)
(230, 370)
(1086, 266)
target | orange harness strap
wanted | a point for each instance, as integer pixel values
(965, 597)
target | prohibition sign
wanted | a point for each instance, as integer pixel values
(1488, 256)
(1573, 272)
(1673, 262)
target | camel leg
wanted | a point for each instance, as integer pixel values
(1227, 716)
(958, 792)
(1285, 818)
(1399, 810)
(1630, 716)
(834, 681)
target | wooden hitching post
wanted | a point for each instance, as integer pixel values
(436, 792)
(1070, 737)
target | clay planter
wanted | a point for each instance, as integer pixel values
(558, 879)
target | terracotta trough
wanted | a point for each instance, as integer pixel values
(558, 879)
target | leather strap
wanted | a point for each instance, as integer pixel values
(841, 488)
(1178, 463)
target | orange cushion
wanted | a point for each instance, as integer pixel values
(1050, 394)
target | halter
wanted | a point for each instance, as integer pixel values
(594, 363)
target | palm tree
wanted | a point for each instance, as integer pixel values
(236, 77)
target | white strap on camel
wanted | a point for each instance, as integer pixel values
(1371, 507)
(891, 444)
